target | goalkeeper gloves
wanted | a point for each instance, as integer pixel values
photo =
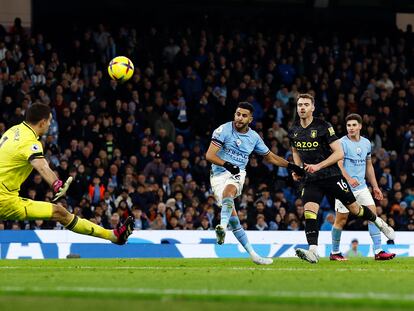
(234, 169)
(296, 169)
(60, 189)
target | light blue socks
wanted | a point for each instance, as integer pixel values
(226, 209)
(336, 239)
(375, 234)
(241, 235)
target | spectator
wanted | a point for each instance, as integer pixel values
(115, 221)
(353, 251)
(158, 223)
(261, 224)
(205, 224)
(164, 123)
(156, 167)
(96, 190)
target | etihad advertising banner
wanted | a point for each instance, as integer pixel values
(41, 244)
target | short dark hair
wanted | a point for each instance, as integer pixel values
(354, 116)
(307, 96)
(37, 112)
(246, 105)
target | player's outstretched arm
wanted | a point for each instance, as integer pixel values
(298, 161)
(279, 161)
(336, 155)
(212, 157)
(59, 188)
(42, 166)
(296, 157)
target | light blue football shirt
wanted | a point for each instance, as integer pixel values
(236, 147)
(356, 154)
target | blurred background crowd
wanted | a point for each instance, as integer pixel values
(138, 148)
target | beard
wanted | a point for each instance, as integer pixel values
(241, 126)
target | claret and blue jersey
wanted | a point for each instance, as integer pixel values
(236, 147)
(356, 154)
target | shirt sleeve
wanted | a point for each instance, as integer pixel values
(219, 136)
(329, 133)
(343, 144)
(260, 147)
(31, 150)
(369, 150)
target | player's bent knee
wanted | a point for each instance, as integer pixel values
(60, 213)
(312, 207)
(230, 191)
(354, 208)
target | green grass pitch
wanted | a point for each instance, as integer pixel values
(206, 284)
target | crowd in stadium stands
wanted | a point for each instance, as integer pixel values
(138, 148)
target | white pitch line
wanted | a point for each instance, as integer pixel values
(324, 268)
(208, 292)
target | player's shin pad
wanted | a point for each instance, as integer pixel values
(311, 228)
(366, 214)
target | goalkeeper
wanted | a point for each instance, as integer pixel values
(20, 152)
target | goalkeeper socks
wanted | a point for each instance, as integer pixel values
(336, 239)
(311, 228)
(366, 213)
(226, 209)
(241, 235)
(84, 226)
(375, 234)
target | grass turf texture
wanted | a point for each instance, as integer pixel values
(206, 284)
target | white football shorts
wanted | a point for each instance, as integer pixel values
(219, 182)
(362, 196)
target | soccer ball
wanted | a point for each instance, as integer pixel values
(121, 69)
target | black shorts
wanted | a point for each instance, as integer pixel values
(335, 186)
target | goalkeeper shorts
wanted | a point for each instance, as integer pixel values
(13, 207)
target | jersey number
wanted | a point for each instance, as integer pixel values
(342, 184)
(3, 140)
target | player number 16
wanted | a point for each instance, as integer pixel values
(342, 184)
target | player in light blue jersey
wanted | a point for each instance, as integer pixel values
(229, 151)
(355, 167)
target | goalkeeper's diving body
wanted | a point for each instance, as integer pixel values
(229, 151)
(20, 152)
